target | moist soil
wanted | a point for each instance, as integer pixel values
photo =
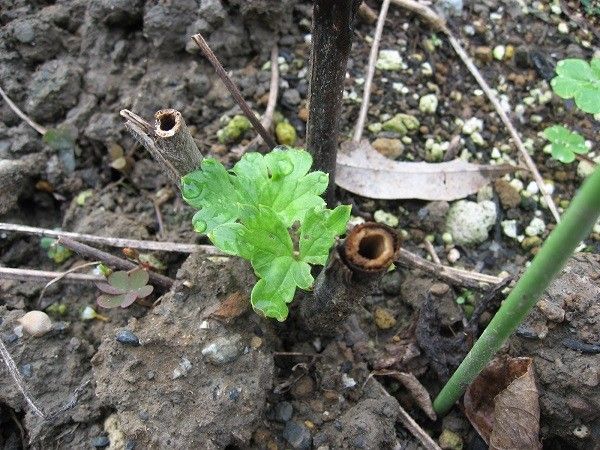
(173, 375)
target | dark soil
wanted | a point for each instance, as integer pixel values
(198, 382)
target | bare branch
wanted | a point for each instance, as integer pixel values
(267, 119)
(113, 261)
(36, 126)
(233, 90)
(364, 107)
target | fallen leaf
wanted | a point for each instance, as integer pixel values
(414, 387)
(233, 306)
(502, 404)
(363, 171)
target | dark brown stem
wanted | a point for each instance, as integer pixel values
(112, 260)
(350, 274)
(333, 22)
(233, 90)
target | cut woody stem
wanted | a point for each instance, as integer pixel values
(333, 22)
(169, 141)
(350, 274)
(575, 225)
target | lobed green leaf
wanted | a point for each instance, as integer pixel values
(579, 80)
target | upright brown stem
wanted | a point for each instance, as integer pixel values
(350, 274)
(333, 22)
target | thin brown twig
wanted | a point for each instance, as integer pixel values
(115, 242)
(364, 107)
(267, 119)
(36, 126)
(233, 90)
(43, 275)
(429, 247)
(16, 376)
(409, 423)
(113, 261)
(438, 23)
(63, 275)
(450, 274)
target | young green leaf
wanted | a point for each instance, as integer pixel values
(266, 243)
(580, 80)
(249, 210)
(565, 143)
(318, 233)
(124, 288)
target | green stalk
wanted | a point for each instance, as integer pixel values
(575, 226)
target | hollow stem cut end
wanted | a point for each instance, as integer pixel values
(167, 122)
(371, 247)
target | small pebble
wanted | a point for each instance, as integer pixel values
(386, 218)
(128, 338)
(536, 227)
(384, 319)
(297, 435)
(509, 228)
(453, 255)
(499, 52)
(439, 289)
(223, 350)
(428, 104)
(100, 442)
(36, 323)
(389, 60)
(284, 411)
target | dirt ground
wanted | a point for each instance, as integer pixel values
(177, 378)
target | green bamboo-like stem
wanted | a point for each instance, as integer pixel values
(575, 226)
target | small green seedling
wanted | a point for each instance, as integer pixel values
(54, 250)
(579, 80)
(124, 288)
(268, 209)
(565, 144)
(592, 7)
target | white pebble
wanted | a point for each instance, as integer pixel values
(532, 188)
(472, 125)
(36, 323)
(509, 227)
(453, 255)
(536, 227)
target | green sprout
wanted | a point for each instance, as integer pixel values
(576, 223)
(124, 288)
(54, 250)
(268, 209)
(579, 80)
(565, 144)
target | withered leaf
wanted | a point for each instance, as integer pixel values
(233, 306)
(502, 404)
(414, 387)
(363, 171)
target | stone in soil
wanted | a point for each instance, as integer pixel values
(391, 148)
(128, 338)
(297, 435)
(509, 196)
(469, 223)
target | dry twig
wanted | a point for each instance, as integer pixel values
(112, 260)
(429, 247)
(438, 23)
(408, 422)
(36, 126)
(233, 90)
(364, 107)
(43, 275)
(451, 275)
(267, 119)
(16, 376)
(115, 242)
(63, 275)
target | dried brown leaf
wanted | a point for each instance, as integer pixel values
(502, 404)
(233, 306)
(414, 387)
(363, 171)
